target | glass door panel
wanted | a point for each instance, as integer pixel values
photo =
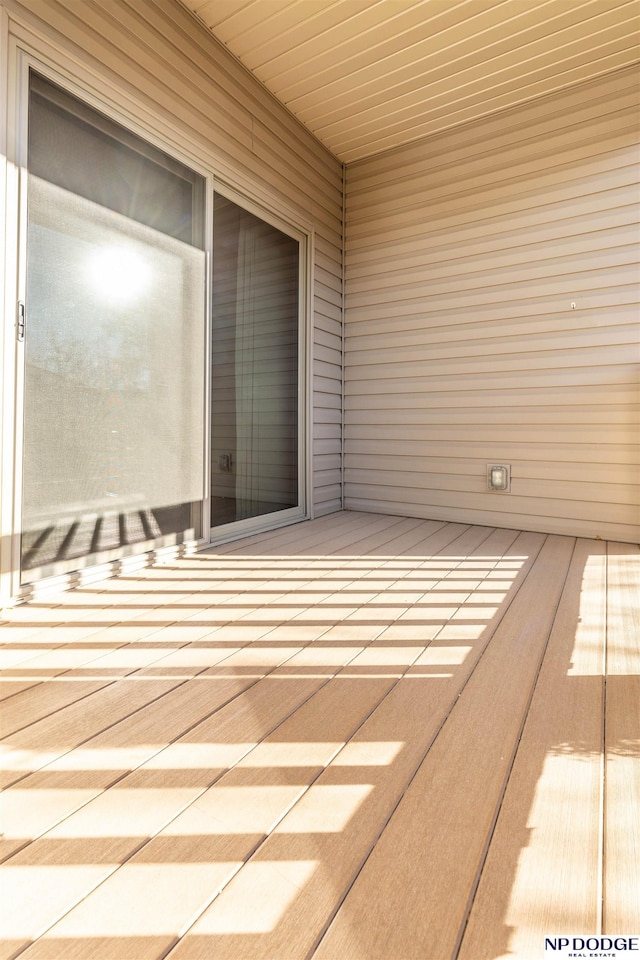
(255, 361)
(114, 348)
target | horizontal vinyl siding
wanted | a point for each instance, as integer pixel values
(464, 256)
(153, 53)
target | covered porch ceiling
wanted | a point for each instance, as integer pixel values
(365, 76)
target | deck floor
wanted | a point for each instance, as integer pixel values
(357, 737)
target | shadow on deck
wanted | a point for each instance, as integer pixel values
(359, 737)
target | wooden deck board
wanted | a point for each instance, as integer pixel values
(622, 735)
(358, 737)
(415, 910)
(549, 825)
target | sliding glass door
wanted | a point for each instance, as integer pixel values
(255, 365)
(129, 333)
(114, 382)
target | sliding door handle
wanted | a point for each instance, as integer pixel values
(21, 322)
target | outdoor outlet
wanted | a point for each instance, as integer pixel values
(225, 462)
(499, 477)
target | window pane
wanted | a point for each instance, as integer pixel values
(114, 377)
(254, 367)
(79, 149)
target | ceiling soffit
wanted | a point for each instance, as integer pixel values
(365, 76)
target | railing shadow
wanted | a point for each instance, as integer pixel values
(245, 779)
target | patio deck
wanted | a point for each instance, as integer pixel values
(358, 737)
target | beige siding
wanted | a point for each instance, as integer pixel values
(465, 254)
(154, 56)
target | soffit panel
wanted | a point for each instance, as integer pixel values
(367, 75)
